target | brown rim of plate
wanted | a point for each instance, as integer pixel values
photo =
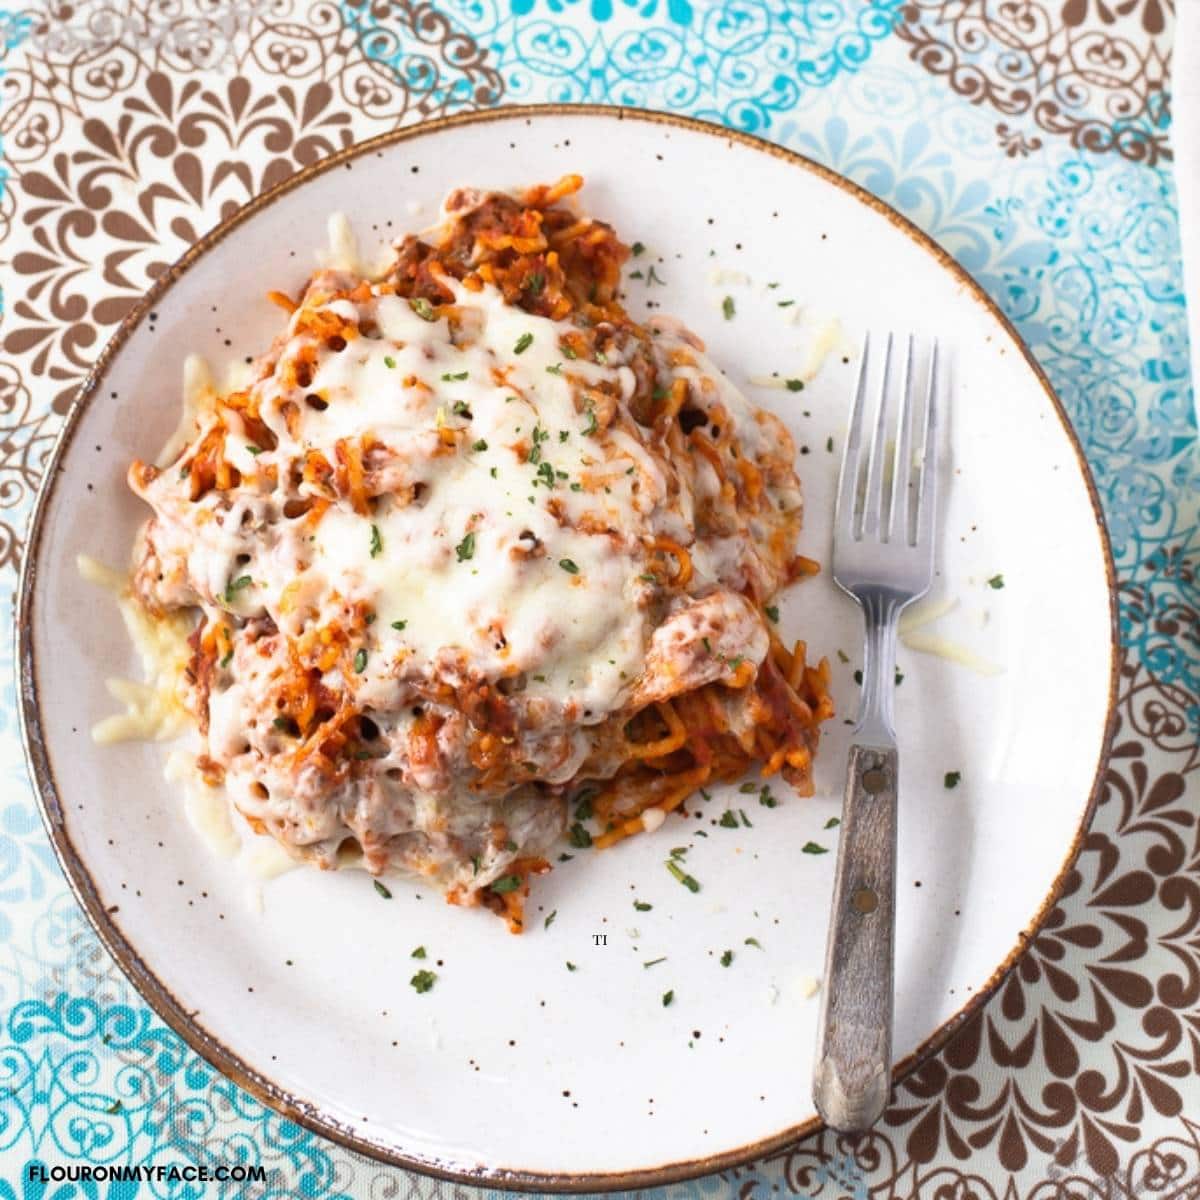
(174, 1013)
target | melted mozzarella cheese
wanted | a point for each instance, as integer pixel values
(456, 568)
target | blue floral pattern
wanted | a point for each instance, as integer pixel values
(1080, 250)
(743, 62)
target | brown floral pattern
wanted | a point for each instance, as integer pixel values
(1092, 71)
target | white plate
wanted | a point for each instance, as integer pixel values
(513, 1069)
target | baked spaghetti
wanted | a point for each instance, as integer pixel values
(474, 540)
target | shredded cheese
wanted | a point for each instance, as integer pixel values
(955, 652)
(653, 819)
(826, 339)
(809, 986)
(925, 613)
(153, 709)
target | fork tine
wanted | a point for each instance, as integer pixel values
(843, 511)
(897, 527)
(873, 500)
(927, 497)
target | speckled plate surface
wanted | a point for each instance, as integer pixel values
(514, 1069)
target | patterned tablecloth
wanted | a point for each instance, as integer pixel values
(1031, 138)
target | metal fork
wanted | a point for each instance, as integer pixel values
(884, 559)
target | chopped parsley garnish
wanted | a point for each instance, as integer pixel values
(389, 361)
(419, 952)
(579, 837)
(766, 799)
(577, 487)
(726, 958)
(583, 808)
(534, 283)
(683, 877)
(236, 585)
(745, 819)
(858, 677)
(255, 450)
(545, 475)
(360, 662)
(563, 434)
(227, 659)
(460, 409)
(592, 424)
(753, 942)
(772, 612)
(833, 823)
(784, 303)
(996, 581)
(280, 723)
(843, 656)
(748, 789)
(523, 343)
(637, 249)
(568, 566)
(399, 625)
(729, 819)
(113, 1108)
(655, 961)
(899, 677)
(455, 378)
(554, 369)
(829, 444)
(727, 307)
(706, 644)
(652, 276)
(572, 967)
(422, 308)
(569, 352)
(382, 890)
(794, 385)
(667, 998)
(480, 446)
(506, 883)
(550, 919)
(952, 779)
(376, 541)
(642, 906)
(466, 548)
(422, 981)
(813, 848)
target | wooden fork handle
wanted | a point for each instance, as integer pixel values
(852, 1080)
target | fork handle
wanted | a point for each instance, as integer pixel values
(852, 1080)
